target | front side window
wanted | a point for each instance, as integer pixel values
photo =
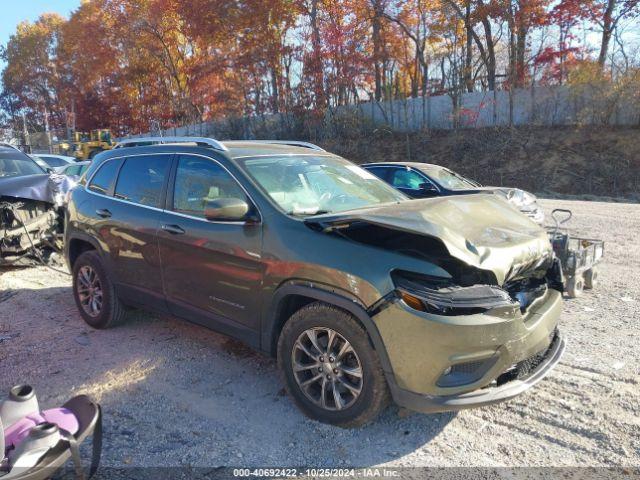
(103, 179)
(200, 181)
(141, 179)
(406, 178)
(311, 185)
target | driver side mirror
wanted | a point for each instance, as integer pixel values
(226, 209)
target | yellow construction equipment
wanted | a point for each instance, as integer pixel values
(88, 145)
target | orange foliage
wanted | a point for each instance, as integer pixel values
(130, 64)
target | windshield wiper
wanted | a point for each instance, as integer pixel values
(305, 214)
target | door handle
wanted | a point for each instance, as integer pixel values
(173, 229)
(103, 212)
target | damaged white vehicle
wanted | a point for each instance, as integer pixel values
(31, 209)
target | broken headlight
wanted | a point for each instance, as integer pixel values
(520, 198)
(427, 294)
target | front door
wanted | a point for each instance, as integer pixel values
(412, 183)
(212, 271)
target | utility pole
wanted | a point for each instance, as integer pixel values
(25, 133)
(67, 122)
(46, 129)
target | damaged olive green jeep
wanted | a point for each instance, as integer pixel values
(363, 295)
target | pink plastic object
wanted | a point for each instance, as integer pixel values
(19, 430)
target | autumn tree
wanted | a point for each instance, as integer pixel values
(607, 15)
(417, 19)
(130, 64)
(31, 78)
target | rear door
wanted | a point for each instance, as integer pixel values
(212, 271)
(127, 217)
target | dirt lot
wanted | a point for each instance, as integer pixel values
(177, 394)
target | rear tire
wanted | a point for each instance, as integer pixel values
(591, 278)
(351, 389)
(94, 292)
(575, 286)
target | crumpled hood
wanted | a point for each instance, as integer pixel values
(482, 230)
(32, 187)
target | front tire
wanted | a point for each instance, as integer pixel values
(94, 292)
(330, 369)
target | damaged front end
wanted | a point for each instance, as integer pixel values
(31, 222)
(442, 297)
(479, 328)
(476, 239)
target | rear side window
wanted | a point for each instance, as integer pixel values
(103, 179)
(141, 179)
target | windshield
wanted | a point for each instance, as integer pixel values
(18, 165)
(448, 179)
(310, 185)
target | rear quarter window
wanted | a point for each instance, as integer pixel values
(104, 178)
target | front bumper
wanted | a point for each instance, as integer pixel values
(484, 396)
(422, 347)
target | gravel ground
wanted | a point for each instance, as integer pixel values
(178, 394)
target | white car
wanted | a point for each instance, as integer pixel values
(55, 162)
(74, 170)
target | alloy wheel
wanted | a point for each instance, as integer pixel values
(327, 368)
(89, 290)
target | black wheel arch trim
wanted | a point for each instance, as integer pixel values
(322, 293)
(83, 237)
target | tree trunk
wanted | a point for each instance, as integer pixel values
(275, 91)
(317, 67)
(607, 32)
(521, 49)
(377, 47)
(490, 61)
(468, 64)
